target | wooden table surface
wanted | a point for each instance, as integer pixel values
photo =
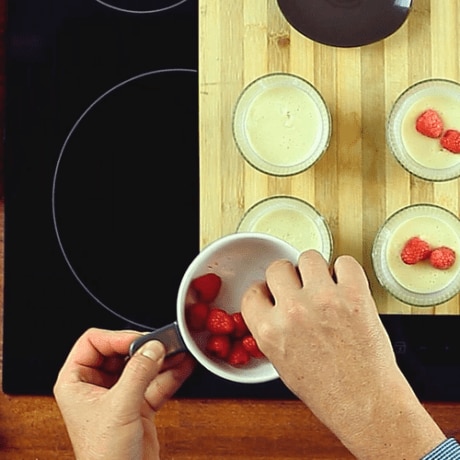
(240, 41)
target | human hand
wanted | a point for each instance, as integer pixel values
(108, 404)
(324, 336)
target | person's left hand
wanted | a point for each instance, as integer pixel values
(108, 403)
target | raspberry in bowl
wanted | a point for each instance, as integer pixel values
(209, 323)
(416, 254)
(423, 129)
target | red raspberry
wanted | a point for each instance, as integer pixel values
(219, 322)
(442, 258)
(451, 140)
(238, 355)
(196, 316)
(241, 329)
(249, 342)
(430, 124)
(218, 345)
(207, 287)
(415, 250)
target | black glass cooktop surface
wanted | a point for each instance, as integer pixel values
(102, 179)
(101, 191)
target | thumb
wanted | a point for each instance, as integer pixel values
(138, 373)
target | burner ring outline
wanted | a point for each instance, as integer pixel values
(157, 10)
(53, 192)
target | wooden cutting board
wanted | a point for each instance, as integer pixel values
(357, 183)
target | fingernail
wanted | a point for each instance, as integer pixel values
(153, 350)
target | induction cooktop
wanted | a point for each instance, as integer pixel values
(102, 179)
(101, 175)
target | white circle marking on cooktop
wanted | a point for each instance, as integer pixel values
(155, 10)
(53, 195)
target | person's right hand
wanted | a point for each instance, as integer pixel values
(324, 336)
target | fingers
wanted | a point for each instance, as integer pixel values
(96, 344)
(98, 358)
(282, 277)
(149, 376)
(352, 279)
(348, 271)
(313, 269)
(96, 349)
(255, 303)
(140, 370)
(176, 370)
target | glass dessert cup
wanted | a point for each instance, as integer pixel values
(420, 155)
(292, 220)
(419, 284)
(281, 124)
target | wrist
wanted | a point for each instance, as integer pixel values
(394, 425)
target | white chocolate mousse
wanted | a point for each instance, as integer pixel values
(292, 220)
(281, 124)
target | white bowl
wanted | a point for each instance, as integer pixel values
(239, 259)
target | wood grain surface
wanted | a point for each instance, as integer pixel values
(354, 186)
(357, 183)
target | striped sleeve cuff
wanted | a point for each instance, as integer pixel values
(447, 450)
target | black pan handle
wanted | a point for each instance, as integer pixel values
(168, 335)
